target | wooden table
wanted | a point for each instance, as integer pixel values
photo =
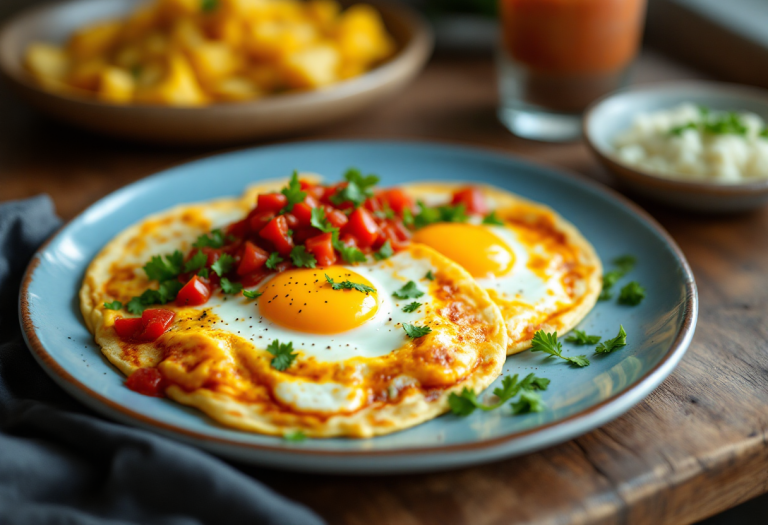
(695, 447)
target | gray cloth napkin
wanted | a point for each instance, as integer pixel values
(61, 464)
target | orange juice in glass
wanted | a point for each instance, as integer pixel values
(557, 56)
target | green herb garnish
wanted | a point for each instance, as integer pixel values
(414, 332)
(252, 294)
(492, 219)
(548, 343)
(349, 285)
(385, 252)
(632, 294)
(223, 264)
(283, 353)
(114, 305)
(228, 287)
(302, 258)
(579, 337)
(273, 260)
(411, 307)
(196, 262)
(215, 239)
(408, 291)
(465, 403)
(611, 345)
(293, 193)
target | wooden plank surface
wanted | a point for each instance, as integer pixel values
(695, 447)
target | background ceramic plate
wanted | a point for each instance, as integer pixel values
(579, 400)
(217, 123)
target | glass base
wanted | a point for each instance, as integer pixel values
(541, 125)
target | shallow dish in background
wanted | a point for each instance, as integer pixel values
(217, 123)
(659, 329)
(609, 116)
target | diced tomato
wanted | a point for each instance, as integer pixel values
(291, 220)
(153, 323)
(283, 266)
(255, 277)
(146, 381)
(212, 253)
(363, 227)
(330, 191)
(321, 247)
(258, 220)
(127, 328)
(303, 213)
(156, 322)
(472, 198)
(312, 190)
(239, 229)
(194, 293)
(336, 217)
(373, 204)
(276, 232)
(394, 236)
(397, 200)
(303, 233)
(271, 202)
(252, 259)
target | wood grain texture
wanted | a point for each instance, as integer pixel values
(694, 447)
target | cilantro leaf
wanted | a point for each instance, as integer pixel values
(580, 337)
(414, 332)
(492, 219)
(135, 306)
(625, 263)
(548, 343)
(215, 239)
(203, 272)
(252, 294)
(114, 305)
(425, 215)
(302, 258)
(430, 276)
(228, 287)
(296, 436)
(465, 403)
(273, 260)
(385, 252)
(408, 291)
(350, 254)
(293, 193)
(632, 294)
(196, 262)
(349, 285)
(411, 307)
(408, 219)
(158, 269)
(319, 220)
(446, 213)
(529, 401)
(611, 345)
(223, 265)
(358, 188)
(283, 353)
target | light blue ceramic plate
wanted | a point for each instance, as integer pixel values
(579, 400)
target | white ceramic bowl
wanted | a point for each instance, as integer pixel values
(218, 123)
(614, 113)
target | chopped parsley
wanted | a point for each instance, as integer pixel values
(283, 353)
(408, 219)
(492, 219)
(414, 332)
(632, 294)
(223, 265)
(161, 270)
(720, 123)
(528, 401)
(252, 294)
(166, 293)
(273, 260)
(611, 345)
(548, 343)
(196, 262)
(114, 305)
(624, 265)
(293, 193)
(350, 254)
(359, 188)
(203, 273)
(411, 307)
(579, 337)
(295, 436)
(385, 252)
(319, 220)
(408, 291)
(302, 258)
(430, 276)
(228, 287)
(349, 285)
(465, 403)
(215, 239)
(447, 213)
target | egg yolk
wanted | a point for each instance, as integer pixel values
(303, 300)
(476, 248)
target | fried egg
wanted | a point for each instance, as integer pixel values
(356, 371)
(536, 266)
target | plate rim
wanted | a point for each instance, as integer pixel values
(614, 404)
